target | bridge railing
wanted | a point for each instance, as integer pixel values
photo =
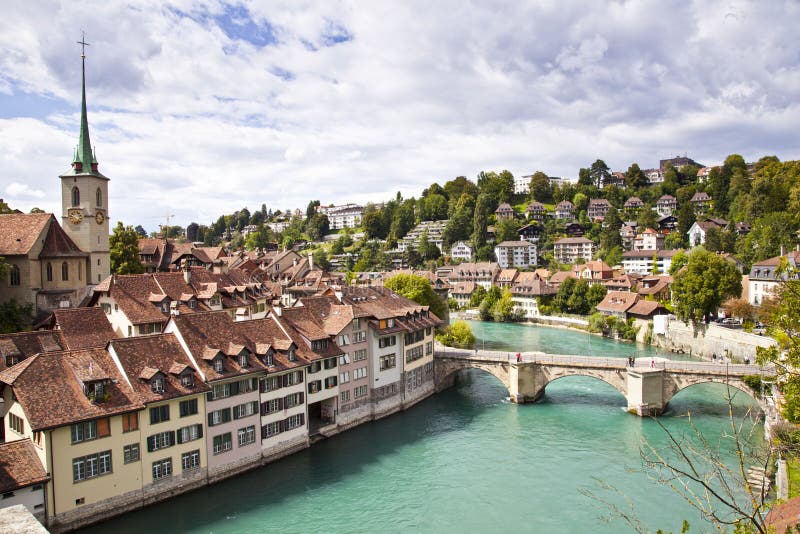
(606, 362)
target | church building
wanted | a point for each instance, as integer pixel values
(52, 266)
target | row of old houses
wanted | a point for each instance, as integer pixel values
(107, 419)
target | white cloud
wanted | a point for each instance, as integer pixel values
(18, 190)
(187, 120)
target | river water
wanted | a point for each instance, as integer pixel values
(466, 460)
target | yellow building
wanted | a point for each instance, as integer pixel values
(81, 415)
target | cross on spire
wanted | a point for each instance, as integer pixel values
(83, 44)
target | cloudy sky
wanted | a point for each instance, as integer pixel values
(200, 108)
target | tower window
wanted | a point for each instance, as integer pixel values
(14, 272)
(64, 271)
(49, 272)
(76, 196)
(99, 198)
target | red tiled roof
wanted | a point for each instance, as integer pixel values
(20, 466)
(51, 393)
(58, 244)
(84, 328)
(19, 231)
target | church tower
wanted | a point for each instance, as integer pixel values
(84, 197)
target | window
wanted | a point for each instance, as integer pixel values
(387, 362)
(292, 356)
(17, 424)
(187, 380)
(218, 367)
(245, 410)
(130, 453)
(428, 348)
(271, 383)
(290, 379)
(219, 391)
(217, 417)
(88, 430)
(106, 308)
(271, 429)
(269, 358)
(130, 422)
(294, 421)
(222, 443)
(190, 460)
(319, 345)
(390, 323)
(162, 469)
(243, 360)
(344, 378)
(428, 330)
(157, 384)
(387, 341)
(344, 396)
(98, 200)
(414, 354)
(361, 372)
(330, 382)
(190, 433)
(188, 407)
(359, 355)
(271, 406)
(76, 196)
(91, 466)
(162, 440)
(314, 367)
(247, 435)
(344, 339)
(360, 391)
(359, 337)
(330, 363)
(295, 399)
(356, 323)
(159, 414)
(314, 386)
(49, 272)
(344, 359)
(14, 275)
(64, 271)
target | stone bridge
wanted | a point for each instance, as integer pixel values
(648, 386)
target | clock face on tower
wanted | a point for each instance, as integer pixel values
(99, 217)
(75, 216)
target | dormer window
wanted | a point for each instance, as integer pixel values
(292, 355)
(269, 358)
(243, 360)
(192, 304)
(165, 306)
(390, 323)
(187, 379)
(96, 391)
(218, 367)
(157, 384)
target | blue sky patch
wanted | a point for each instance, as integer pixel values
(334, 34)
(21, 104)
(238, 24)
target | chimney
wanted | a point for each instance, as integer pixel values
(310, 261)
(187, 272)
(278, 310)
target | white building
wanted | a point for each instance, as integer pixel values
(572, 249)
(516, 254)
(764, 280)
(641, 261)
(649, 240)
(461, 251)
(344, 216)
(522, 184)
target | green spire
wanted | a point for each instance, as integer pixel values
(84, 155)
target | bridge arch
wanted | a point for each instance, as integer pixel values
(678, 383)
(446, 369)
(613, 378)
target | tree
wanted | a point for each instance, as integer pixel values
(673, 241)
(15, 317)
(740, 308)
(459, 226)
(599, 172)
(719, 240)
(506, 229)
(609, 235)
(458, 334)
(480, 221)
(433, 208)
(540, 188)
(585, 177)
(493, 294)
(124, 250)
(634, 177)
(679, 259)
(140, 231)
(311, 209)
(503, 308)
(647, 219)
(321, 259)
(419, 290)
(581, 201)
(477, 297)
(706, 283)
(260, 238)
(685, 221)
(595, 295)
(614, 256)
(317, 226)
(459, 186)
(191, 231)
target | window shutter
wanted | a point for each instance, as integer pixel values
(280, 404)
(210, 420)
(285, 380)
(151, 444)
(235, 388)
(180, 436)
(210, 396)
(263, 432)
(226, 415)
(301, 397)
(263, 408)
(172, 438)
(103, 428)
(302, 419)
(199, 430)
(262, 386)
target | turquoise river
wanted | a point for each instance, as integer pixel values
(465, 460)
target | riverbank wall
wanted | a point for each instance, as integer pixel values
(707, 340)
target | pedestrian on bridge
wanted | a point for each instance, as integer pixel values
(519, 357)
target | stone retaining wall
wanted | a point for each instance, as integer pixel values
(711, 339)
